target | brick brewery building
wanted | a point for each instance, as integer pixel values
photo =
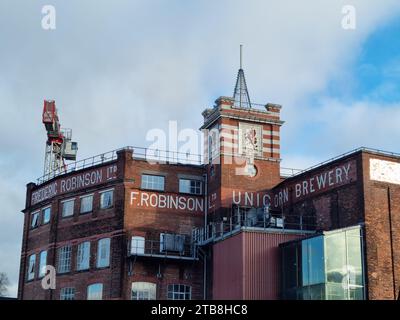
(145, 224)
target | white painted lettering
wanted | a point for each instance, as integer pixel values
(298, 190)
(321, 181)
(338, 175)
(330, 179)
(346, 170)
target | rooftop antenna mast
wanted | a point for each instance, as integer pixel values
(241, 54)
(241, 95)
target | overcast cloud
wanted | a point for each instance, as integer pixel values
(120, 68)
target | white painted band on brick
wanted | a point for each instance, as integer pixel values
(229, 144)
(270, 133)
(269, 149)
(227, 126)
(229, 136)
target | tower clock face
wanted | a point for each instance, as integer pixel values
(251, 170)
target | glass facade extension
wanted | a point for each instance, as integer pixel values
(325, 267)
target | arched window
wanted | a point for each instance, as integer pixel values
(143, 291)
(95, 291)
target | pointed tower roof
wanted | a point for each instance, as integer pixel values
(241, 94)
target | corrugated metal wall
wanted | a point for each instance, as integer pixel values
(228, 269)
(246, 266)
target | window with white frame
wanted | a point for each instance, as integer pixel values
(86, 204)
(213, 143)
(106, 199)
(95, 291)
(179, 292)
(83, 256)
(64, 259)
(42, 263)
(46, 212)
(31, 267)
(143, 291)
(190, 186)
(137, 245)
(68, 208)
(35, 219)
(103, 253)
(153, 182)
(67, 294)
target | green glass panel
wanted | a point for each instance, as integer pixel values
(313, 261)
(335, 256)
(335, 291)
(354, 261)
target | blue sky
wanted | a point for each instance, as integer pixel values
(119, 69)
(372, 79)
(376, 71)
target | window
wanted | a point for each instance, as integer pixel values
(83, 256)
(210, 146)
(68, 208)
(42, 263)
(64, 259)
(46, 215)
(31, 267)
(290, 263)
(153, 182)
(212, 171)
(213, 143)
(313, 261)
(143, 291)
(190, 186)
(67, 294)
(106, 199)
(95, 291)
(103, 253)
(86, 204)
(172, 242)
(179, 292)
(325, 267)
(137, 245)
(35, 219)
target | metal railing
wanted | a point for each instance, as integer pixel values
(154, 248)
(366, 149)
(151, 155)
(289, 172)
(269, 221)
(166, 156)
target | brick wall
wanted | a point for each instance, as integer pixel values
(382, 233)
(60, 231)
(149, 222)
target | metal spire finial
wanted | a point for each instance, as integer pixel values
(241, 46)
(241, 95)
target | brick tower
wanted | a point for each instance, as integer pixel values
(242, 150)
